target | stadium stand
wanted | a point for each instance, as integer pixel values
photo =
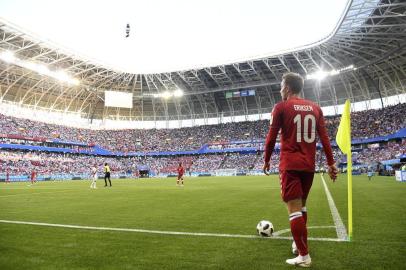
(221, 141)
(366, 124)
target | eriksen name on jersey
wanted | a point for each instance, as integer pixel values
(303, 108)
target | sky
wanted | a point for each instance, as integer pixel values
(173, 35)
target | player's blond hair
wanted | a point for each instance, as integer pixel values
(294, 81)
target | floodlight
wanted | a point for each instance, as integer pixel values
(74, 81)
(166, 94)
(29, 65)
(334, 72)
(320, 75)
(41, 69)
(8, 57)
(178, 93)
(61, 75)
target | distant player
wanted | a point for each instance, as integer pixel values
(181, 171)
(106, 174)
(323, 171)
(370, 174)
(33, 177)
(299, 121)
(94, 178)
(7, 175)
(190, 168)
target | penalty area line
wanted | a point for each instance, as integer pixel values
(164, 232)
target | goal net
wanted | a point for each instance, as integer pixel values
(226, 172)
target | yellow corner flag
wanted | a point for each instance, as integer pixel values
(343, 139)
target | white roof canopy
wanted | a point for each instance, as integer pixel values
(178, 34)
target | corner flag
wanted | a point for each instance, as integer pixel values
(343, 139)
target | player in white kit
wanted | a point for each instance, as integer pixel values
(94, 178)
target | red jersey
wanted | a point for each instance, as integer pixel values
(299, 120)
(181, 170)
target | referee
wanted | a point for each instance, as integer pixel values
(106, 174)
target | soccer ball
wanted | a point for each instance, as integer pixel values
(265, 228)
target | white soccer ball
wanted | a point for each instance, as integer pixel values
(265, 228)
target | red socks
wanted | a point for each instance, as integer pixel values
(304, 214)
(299, 232)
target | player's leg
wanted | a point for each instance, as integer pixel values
(105, 179)
(304, 210)
(109, 180)
(307, 181)
(295, 251)
(299, 233)
(177, 180)
(298, 225)
(181, 180)
(292, 194)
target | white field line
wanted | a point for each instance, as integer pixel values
(308, 227)
(338, 222)
(35, 193)
(166, 232)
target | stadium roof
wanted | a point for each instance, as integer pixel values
(363, 58)
(164, 36)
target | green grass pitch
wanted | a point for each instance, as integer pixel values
(218, 205)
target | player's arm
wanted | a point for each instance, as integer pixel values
(325, 141)
(275, 125)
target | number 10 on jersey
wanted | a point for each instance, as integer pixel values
(309, 124)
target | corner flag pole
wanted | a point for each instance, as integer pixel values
(349, 177)
(343, 139)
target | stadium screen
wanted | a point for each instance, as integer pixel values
(241, 93)
(229, 94)
(251, 92)
(118, 99)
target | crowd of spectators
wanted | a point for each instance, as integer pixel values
(371, 123)
(241, 161)
(365, 124)
(45, 163)
(23, 163)
(392, 150)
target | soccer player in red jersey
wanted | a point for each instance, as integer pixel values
(181, 171)
(33, 175)
(299, 120)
